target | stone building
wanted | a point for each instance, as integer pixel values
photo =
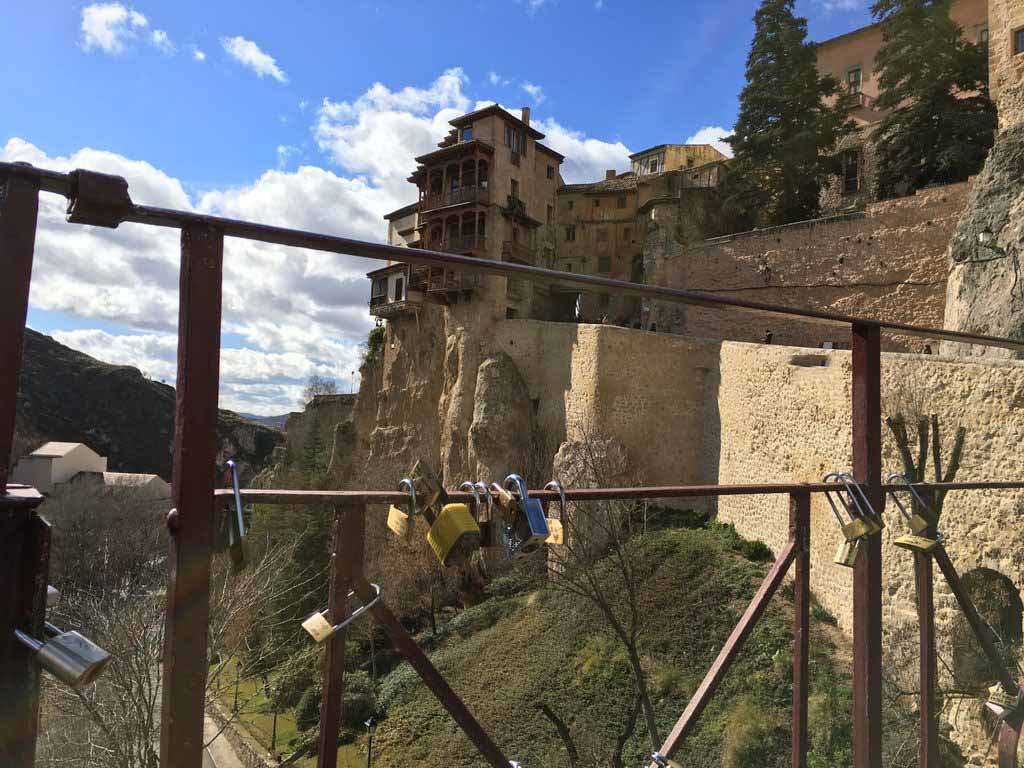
(488, 191)
(850, 58)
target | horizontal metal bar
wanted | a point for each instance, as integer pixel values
(165, 217)
(298, 497)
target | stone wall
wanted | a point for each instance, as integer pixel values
(889, 262)
(1006, 70)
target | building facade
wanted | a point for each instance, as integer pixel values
(488, 191)
(850, 58)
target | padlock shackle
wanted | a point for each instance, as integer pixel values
(519, 484)
(831, 502)
(239, 516)
(554, 485)
(406, 484)
(902, 479)
(483, 490)
(358, 611)
(470, 486)
(28, 641)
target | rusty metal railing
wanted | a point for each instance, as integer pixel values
(101, 200)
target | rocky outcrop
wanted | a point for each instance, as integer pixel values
(501, 435)
(68, 396)
(985, 292)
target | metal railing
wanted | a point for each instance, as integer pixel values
(101, 200)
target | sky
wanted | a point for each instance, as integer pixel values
(309, 115)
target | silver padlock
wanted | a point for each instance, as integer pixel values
(68, 656)
(663, 762)
(529, 526)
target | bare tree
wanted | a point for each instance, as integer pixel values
(597, 563)
(318, 385)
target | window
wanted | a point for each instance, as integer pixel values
(399, 289)
(626, 233)
(570, 204)
(380, 287)
(853, 79)
(653, 165)
(604, 263)
(568, 267)
(851, 171)
(551, 171)
(1018, 41)
(514, 139)
(467, 133)
(515, 190)
(570, 234)
(601, 235)
(551, 214)
(981, 34)
(620, 201)
(597, 202)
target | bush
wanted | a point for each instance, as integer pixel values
(307, 713)
(359, 703)
(750, 735)
(298, 674)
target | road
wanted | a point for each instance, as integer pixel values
(219, 754)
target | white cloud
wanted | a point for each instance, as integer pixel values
(713, 135)
(535, 92)
(842, 5)
(110, 27)
(497, 80)
(249, 55)
(160, 39)
(533, 6)
(284, 152)
(586, 158)
(197, 54)
(286, 305)
(302, 105)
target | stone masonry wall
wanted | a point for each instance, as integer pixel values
(888, 263)
(1006, 70)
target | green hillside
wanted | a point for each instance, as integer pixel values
(515, 651)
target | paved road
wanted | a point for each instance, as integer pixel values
(220, 753)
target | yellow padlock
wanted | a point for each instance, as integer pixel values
(919, 523)
(916, 543)
(454, 534)
(857, 528)
(398, 522)
(848, 552)
(557, 535)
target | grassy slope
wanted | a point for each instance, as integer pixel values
(506, 656)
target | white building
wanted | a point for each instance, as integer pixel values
(56, 463)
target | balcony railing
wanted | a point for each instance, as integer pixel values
(473, 194)
(861, 100)
(376, 301)
(512, 250)
(462, 244)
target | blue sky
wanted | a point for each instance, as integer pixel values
(309, 114)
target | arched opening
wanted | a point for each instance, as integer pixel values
(999, 603)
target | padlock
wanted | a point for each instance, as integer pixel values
(557, 536)
(848, 553)
(429, 491)
(530, 526)
(398, 521)
(231, 527)
(856, 502)
(454, 535)
(491, 529)
(663, 762)
(918, 522)
(68, 656)
(320, 627)
(1002, 704)
(856, 529)
(916, 543)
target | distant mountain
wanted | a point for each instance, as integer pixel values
(274, 422)
(67, 395)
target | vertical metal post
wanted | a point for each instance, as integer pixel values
(346, 568)
(867, 573)
(800, 536)
(19, 208)
(24, 537)
(194, 478)
(928, 703)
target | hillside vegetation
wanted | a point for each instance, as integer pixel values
(527, 646)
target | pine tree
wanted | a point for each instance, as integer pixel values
(789, 122)
(942, 122)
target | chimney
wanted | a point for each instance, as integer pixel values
(526, 115)
(611, 174)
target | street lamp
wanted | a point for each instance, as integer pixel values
(371, 726)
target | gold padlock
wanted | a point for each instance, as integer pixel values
(1003, 704)
(454, 535)
(918, 524)
(848, 552)
(857, 528)
(398, 521)
(916, 543)
(557, 535)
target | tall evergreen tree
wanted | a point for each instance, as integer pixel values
(789, 122)
(942, 122)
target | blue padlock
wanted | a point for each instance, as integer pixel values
(529, 527)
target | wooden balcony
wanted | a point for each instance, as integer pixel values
(382, 306)
(512, 250)
(473, 194)
(471, 244)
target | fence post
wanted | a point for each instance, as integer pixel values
(927, 704)
(193, 480)
(800, 535)
(346, 568)
(867, 572)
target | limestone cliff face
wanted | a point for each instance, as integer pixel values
(985, 293)
(501, 435)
